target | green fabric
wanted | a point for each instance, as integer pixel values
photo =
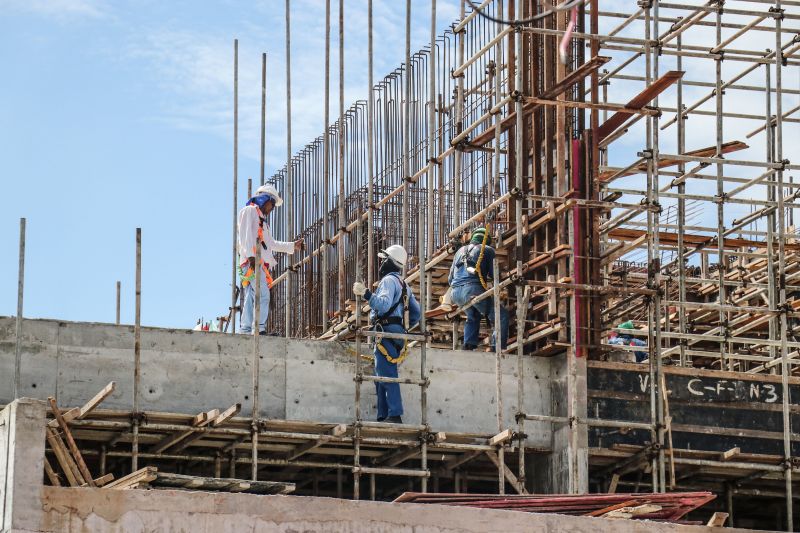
(627, 325)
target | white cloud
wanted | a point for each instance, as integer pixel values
(57, 8)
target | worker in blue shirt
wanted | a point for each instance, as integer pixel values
(469, 275)
(393, 309)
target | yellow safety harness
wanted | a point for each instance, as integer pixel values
(379, 340)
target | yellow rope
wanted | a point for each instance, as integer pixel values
(480, 259)
(396, 360)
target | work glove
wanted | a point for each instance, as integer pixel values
(359, 289)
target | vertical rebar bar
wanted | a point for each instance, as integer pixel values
(137, 352)
(119, 299)
(326, 156)
(370, 153)
(288, 209)
(234, 281)
(406, 142)
(341, 146)
(18, 319)
(431, 157)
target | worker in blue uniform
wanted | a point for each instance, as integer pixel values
(469, 274)
(393, 309)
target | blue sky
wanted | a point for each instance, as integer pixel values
(119, 114)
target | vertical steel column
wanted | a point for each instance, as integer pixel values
(119, 297)
(459, 123)
(681, 125)
(423, 392)
(263, 112)
(725, 362)
(326, 156)
(370, 154)
(137, 352)
(341, 141)
(358, 376)
(235, 261)
(786, 397)
(519, 157)
(406, 143)
(498, 371)
(257, 300)
(288, 209)
(431, 155)
(18, 324)
(651, 267)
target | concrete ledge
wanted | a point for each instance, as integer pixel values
(99, 510)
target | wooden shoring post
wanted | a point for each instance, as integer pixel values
(18, 318)
(289, 210)
(137, 353)
(73, 447)
(326, 162)
(235, 228)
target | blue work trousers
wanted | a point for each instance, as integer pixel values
(464, 293)
(249, 308)
(390, 402)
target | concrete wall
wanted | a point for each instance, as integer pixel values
(190, 371)
(30, 507)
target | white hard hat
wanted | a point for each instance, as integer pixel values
(272, 191)
(396, 253)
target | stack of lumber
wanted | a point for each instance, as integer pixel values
(671, 506)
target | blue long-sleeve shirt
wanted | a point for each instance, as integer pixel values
(468, 256)
(388, 292)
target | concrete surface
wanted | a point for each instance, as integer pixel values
(191, 371)
(131, 511)
(21, 463)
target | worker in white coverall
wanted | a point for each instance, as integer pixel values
(255, 240)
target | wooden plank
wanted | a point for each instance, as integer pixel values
(104, 480)
(51, 474)
(201, 420)
(730, 454)
(143, 475)
(638, 102)
(73, 448)
(509, 475)
(90, 406)
(227, 414)
(614, 507)
(501, 438)
(307, 447)
(68, 466)
(612, 486)
(717, 519)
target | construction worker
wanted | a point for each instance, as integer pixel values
(255, 236)
(469, 276)
(393, 309)
(623, 339)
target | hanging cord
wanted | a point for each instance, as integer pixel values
(564, 6)
(562, 48)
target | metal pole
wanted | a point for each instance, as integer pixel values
(235, 260)
(290, 233)
(341, 144)
(326, 151)
(119, 298)
(137, 352)
(406, 221)
(431, 155)
(20, 291)
(370, 153)
(357, 379)
(423, 393)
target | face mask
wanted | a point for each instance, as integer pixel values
(387, 267)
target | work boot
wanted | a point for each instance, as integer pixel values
(381, 418)
(469, 347)
(394, 420)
